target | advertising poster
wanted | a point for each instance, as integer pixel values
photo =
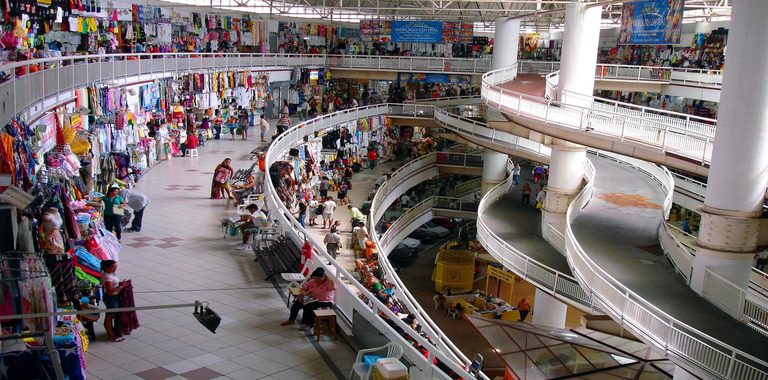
(417, 31)
(375, 31)
(652, 22)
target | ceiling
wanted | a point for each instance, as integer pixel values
(536, 14)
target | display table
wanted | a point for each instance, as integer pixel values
(472, 304)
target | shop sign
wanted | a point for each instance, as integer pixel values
(417, 31)
(651, 22)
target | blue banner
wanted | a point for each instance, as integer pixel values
(417, 31)
(652, 22)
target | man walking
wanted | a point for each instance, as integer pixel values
(138, 201)
(332, 242)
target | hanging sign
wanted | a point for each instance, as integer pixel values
(652, 22)
(417, 31)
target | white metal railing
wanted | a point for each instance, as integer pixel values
(347, 300)
(658, 130)
(656, 327)
(550, 280)
(758, 280)
(733, 299)
(679, 254)
(421, 212)
(413, 172)
(57, 76)
(480, 130)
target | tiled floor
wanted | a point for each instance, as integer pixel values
(180, 256)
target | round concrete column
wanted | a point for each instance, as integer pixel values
(579, 55)
(566, 172)
(506, 41)
(738, 175)
(548, 310)
(494, 170)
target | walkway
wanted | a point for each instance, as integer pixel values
(179, 257)
(619, 231)
(531, 84)
(520, 227)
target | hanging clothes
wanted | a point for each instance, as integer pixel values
(129, 321)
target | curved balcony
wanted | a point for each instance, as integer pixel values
(348, 304)
(676, 140)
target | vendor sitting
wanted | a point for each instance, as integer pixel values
(244, 189)
(316, 293)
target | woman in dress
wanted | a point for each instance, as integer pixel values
(221, 176)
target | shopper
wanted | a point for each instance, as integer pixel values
(527, 194)
(283, 124)
(355, 216)
(524, 307)
(264, 127)
(541, 195)
(137, 201)
(318, 292)
(342, 193)
(302, 211)
(372, 158)
(244, 121)
(218, 121)
(313, 204)
(220, 182)
(111, 286)
(325, 184)
(113, 211)
(538, 173)
(516, 174)
(329, 206)
(361, 234)
(332, 242)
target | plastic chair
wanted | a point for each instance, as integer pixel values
(393, 350)
(192, 152)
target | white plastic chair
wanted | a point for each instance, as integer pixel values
(393, 350)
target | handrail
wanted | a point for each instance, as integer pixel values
(648, 321)
(655, 131)
(290, 226)
(546, 278)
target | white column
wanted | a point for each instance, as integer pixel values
(566, 171)
(566, 167)
(738, 175)
(548, 311)
(505, 47)
(494, 169)
(579, 55)
(505, 43)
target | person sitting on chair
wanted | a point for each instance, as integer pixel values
(318, 292)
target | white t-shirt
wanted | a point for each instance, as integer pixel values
(329, 207)
(260, 219)
(405, 199)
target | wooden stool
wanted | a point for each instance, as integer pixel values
(325, 315)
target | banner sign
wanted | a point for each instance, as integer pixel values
(417, 31)
(652, 22)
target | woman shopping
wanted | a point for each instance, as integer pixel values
(113, 211)
(111, 286)
(220, 183)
